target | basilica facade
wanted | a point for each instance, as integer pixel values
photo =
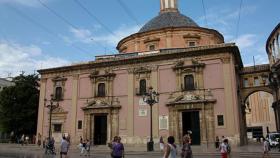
(192, 69)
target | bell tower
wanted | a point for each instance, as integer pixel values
(168, 6)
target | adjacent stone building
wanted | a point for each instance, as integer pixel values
(195, 73)
(273, 52)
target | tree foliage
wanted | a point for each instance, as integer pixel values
(19, 105)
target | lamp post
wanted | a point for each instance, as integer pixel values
(51, 106)
(151, 97)
(274, 84)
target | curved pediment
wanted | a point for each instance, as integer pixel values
(196, 96)
(142, 70)
(102, 104)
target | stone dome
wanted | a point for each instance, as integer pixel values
(168, 19)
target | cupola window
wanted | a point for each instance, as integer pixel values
(152, 47)
(192, 44)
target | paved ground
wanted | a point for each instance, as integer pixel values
(31, 151)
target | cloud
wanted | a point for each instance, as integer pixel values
(16, 57)
(88, 37)
(227, 23)
(27, 3)
(246, 41)
(82, 35)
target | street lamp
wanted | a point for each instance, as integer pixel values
(274, 84)
(51, 106)
(151, 98)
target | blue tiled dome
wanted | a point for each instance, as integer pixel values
(168, 19)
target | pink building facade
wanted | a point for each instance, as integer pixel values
(192, 69)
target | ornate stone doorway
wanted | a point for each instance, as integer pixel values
(192, 111)
(190, 122)
(101, 120)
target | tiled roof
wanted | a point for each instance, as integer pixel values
(168, 19)
(256, 68)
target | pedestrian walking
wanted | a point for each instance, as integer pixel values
(228, 147)
(266, 149)
(186, 149)
(22, 139)
(189, 136)
(118, 149)
(64, 147)
(161, 143)
(110, 145)
(83, 148)
(223, 149)
(87, 147)
(170, 149)
(217, 142)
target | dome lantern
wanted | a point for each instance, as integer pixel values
(168, 6)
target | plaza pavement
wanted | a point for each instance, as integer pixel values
(32, 151)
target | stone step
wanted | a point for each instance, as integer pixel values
(258, 154)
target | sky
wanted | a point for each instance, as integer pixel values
(39, 34)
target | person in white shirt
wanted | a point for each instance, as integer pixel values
(170, 149)
(223, 149)
(64, 147)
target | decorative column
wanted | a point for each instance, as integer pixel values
(73, 114)
(40, 123)
(229, 96)
(130, 103)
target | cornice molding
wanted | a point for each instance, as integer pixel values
(165, 54)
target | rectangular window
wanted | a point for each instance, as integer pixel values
(163, 122)
(191, 44)
(220, 119)
(245, 82)
(256, 81)
(80, 124)
(189, 82)
(57, 128)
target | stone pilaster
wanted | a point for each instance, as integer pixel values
(115, 122)
(210, 123)
(40, 123)
(168, 40)
(203, 126)
(229, 96)
(73, 113)
(130, 104)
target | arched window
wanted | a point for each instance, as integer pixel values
(58, 93)
(189, 82)
(142, 86)
(101, 90)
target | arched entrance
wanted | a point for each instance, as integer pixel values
(252, 80)
(259, 115)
